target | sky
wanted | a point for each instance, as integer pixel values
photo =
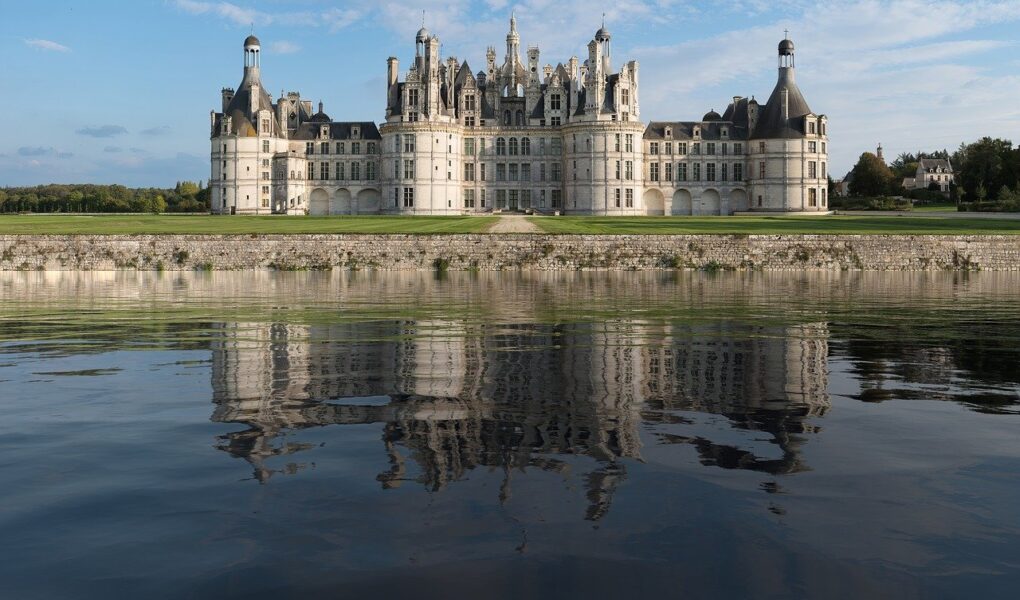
(120, 92)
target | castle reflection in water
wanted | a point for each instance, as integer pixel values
(452, 396)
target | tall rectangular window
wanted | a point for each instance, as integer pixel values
(653, 147)
(469, 146)
(555, 102)
(629, 197)
(469, 171)
(761, 170)
(469, 102)
(617, 169)
(681, 148)
(408, 142)
(324, 170)
(681, 172)
(556, 173)
(370, 171)
(408, 169)
(669, 171)
(812, 169)
(339, 170)
(812, 197)
(629, 170)
(481, 172)
(616, 147)
(412, 97)
(408, 197)
(629, 145)
(710, 148)
(722, 176)
(541, 172)
(669, 147)
(265, 145)
(616, 197)
(469, 198)
(738, 172)
(355, 171)
(526, 172)
(738, 148)
(653, 171)
(697, 172)
(324, 148)
(710, 172)
(500, 172)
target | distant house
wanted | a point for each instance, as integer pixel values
(931, 170)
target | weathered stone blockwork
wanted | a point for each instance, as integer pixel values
(496, 252)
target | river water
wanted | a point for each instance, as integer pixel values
(509, 435)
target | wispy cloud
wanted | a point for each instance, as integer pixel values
(333, 19)
(155, 131)
(37, 151)
(47, 45)
(284, 47)
(113, 149)
(103, 131)
(226, 10)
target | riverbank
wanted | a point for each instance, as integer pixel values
(510, 251)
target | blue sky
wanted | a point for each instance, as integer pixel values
(120, 92)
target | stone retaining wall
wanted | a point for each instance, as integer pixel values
(510, 251)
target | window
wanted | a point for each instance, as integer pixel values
(617, 145)
(822, 174)
(557, 198)
(722, 148)
(653, 171)
(310, 148)
(501, 172)
(811, 129)
(681, 148)
(824, 193)
(738, 172)
(556, 174)
(355, 147)
(265, 174)
(556, 145)
(653, 147)
(513, 172)
(324, 170)
(555, 103)
(412, 97)
(616, 197)
(500, 147)
(722, 173)
(554, 121)
(513, 146)
(355, 171)
(481, 173)
(324, 148)
(629, 170)
(696, 176)
(469, 102)
(629, 147)
(710, 172)
(408, 197)
(617, 169)
(812, 169)
(625, 97)
(629, 198)
(339, 170)
(265, 145)
(481, 198)
(823, 147)
(710, 148)
(469, 198)
(738, 148)
(469, 121)
(696, 148)
(541, 172)
(370, 171)
(408, 169)
(469, 146)
(812, 147)
(669, 171)
(526, 172)
(409, 142)
(761, 147)
(339, 147)
(469, 171)
(669, 148)
(681, 172)
(525, 147)
(500, 198)
(761, 170)
(812, 197)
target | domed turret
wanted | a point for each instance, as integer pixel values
(423, 35)
(786, 47)
(251, 40)
(602, 35)
(712, 116)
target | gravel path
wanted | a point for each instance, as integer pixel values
(514, 224)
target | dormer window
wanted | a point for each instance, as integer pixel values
(697, 131)
(669, 132)
(324, 131)
(724, 132)
(356, 132)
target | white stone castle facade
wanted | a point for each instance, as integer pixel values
(515, 136)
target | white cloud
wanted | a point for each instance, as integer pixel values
(47, 45)
(284, 47)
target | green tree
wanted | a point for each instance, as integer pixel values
(871, 177)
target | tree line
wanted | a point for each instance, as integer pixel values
(186, 196)
(987, 175)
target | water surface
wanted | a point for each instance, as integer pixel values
(509, 435)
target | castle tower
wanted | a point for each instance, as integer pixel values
(788, 148)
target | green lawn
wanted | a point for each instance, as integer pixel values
(778, 224)
(205, 224)
(940, 207)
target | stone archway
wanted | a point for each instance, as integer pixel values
(738, 201)
(369, 201)
(318, 202)
(681, 202)
(708, 203)
(654, 203)
(341, 202)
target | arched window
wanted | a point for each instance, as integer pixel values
(500, 146)
(513, 146)
(526, 146)
(506, 117)
(520, 118)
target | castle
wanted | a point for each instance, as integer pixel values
(516, 136)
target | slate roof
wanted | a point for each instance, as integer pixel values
(684, 131)
(771, 124)
(338, 130)
(932, 164)
(237, 110)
